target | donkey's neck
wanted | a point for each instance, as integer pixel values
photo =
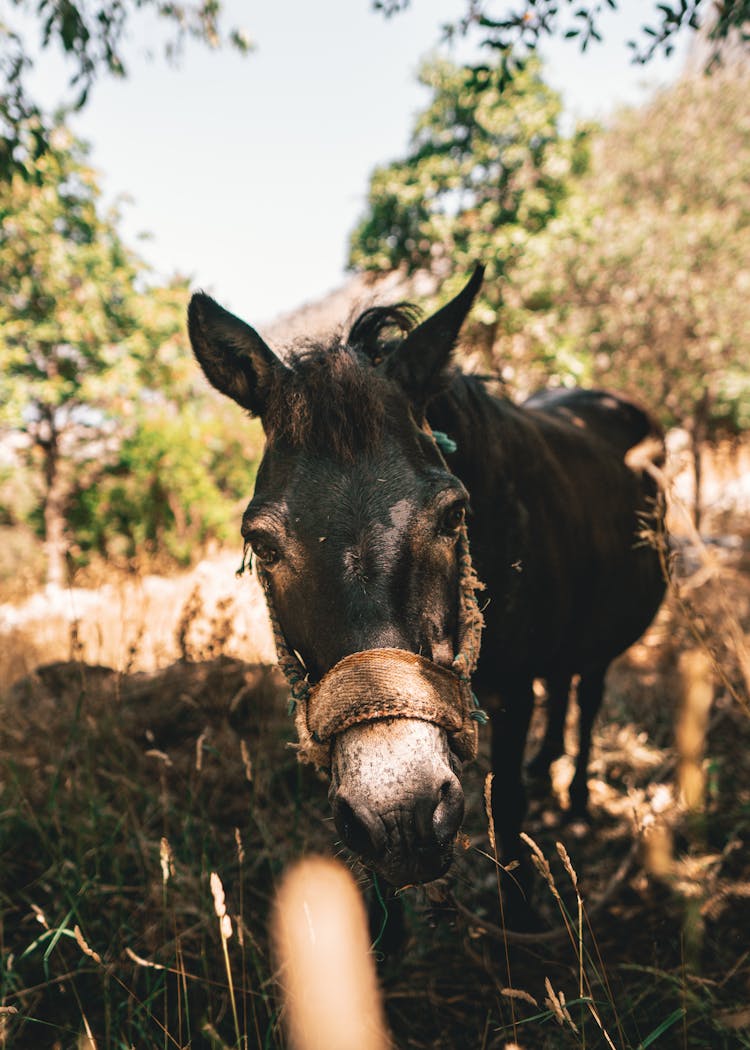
(506, 465)
(493, 436)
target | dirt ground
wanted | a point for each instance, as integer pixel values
(121, 790)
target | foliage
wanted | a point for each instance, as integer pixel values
(645, 278)
(633, 274)
(65, 318)
(485, 172)
(94, 367)
(174, 484)
(91, 36)
(69, 287)
(515, 33)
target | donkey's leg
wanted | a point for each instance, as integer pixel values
(590, 693)
(510, 726)
(553, 745)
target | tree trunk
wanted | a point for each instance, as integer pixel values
(55, 496)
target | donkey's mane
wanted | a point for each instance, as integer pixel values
(332, 398)
(379, 330)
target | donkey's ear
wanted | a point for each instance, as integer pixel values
(231, 353)
(418, 362)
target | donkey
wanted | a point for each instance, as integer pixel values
(358, 526)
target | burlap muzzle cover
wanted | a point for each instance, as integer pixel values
(385, 683)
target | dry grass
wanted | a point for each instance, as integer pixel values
(124, 789)
(139, 623)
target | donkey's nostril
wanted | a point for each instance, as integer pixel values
(449, 812)
(358, 827)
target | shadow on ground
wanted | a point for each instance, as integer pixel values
(122, 793)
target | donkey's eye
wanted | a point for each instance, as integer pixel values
(453, 518)
(266, 553)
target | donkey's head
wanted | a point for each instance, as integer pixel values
(357, 527)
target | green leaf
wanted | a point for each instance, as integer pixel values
(666, 1024)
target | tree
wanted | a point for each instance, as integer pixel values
(91, 36)
(130, 453)
(642, 284)
(177, 480)
(65, 317)
(83, 346)
(486, 171)
(516, 32)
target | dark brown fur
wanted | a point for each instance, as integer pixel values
(354, 518)
(328, 401)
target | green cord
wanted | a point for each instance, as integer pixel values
(384, 906)
(444, 443)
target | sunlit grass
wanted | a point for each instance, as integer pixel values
(133, 623)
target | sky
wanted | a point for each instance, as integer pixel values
(248, 173)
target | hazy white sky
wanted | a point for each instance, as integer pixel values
(249, 173)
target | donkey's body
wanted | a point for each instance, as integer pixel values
(556, 525)
(357, 520)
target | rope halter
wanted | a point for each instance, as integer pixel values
(388, 683)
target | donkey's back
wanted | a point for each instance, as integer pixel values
(614, 418)
(594, 439)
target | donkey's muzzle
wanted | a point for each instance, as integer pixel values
(392, 727)
(396, 799)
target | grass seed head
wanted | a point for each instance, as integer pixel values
(541, 863)
(199, 750)
(240, 847)
(567, 864)
(518, 993)
(81, 942)
(553, 1002)
(246, 761)
(166, 860)
(217, 891)
(488, 809)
